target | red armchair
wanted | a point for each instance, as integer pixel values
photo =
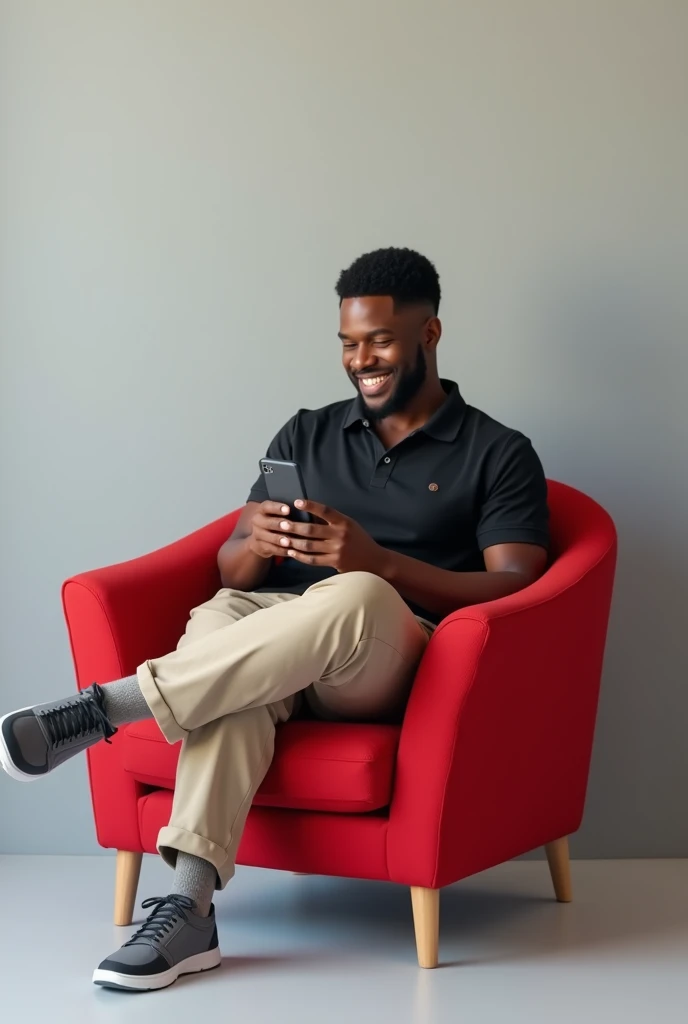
(491, 761)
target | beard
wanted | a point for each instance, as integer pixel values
(410, 383)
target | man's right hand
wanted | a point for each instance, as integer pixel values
(266, 538)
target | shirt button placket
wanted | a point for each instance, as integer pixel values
(383, 471)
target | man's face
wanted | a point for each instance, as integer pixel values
(383, 351)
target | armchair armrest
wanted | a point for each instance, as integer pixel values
(495, 748)
(119, 616)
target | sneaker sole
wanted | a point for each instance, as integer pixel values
(146, 983)
(6, 758)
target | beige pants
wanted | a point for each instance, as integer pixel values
(350, 643)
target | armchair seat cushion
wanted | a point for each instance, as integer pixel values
(318, 766)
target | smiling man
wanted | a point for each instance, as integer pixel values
(423, 505)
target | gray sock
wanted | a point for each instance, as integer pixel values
(195, 877)
(124, 701)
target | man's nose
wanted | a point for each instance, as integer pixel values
(364, 358)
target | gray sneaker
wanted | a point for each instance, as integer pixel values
(37, 739)
(172, 941)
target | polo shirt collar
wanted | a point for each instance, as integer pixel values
(443, 425)
(356, 413)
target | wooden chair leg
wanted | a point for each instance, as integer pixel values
(426, 921)
(560, 868)
(126, 882)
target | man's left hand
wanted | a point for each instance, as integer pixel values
(338, 542)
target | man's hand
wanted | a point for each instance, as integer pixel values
(264, 539)
(338, 542)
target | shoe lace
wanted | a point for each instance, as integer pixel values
(162, 918)
(77, 718)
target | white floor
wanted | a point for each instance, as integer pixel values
(325, 951)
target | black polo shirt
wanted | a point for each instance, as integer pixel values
(457, 485)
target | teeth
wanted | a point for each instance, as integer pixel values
(371, 381)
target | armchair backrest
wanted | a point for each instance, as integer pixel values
(582, 533)
(576, 517)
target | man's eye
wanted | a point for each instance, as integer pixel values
(383, 344)
(348, 346)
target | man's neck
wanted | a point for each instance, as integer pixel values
(424, 405)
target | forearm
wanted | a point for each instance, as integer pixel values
(442, 591)
(240, 568)
(340, 543)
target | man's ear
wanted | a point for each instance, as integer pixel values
(433, 332)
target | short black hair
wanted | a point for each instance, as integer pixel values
(402, 273)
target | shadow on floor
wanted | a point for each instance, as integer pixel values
(501, 926)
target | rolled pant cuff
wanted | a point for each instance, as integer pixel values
(172, 839)
(169, 726)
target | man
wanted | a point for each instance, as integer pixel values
(423, 505)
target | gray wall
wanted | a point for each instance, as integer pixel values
(181, 183)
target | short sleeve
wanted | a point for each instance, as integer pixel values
(281, 447)
(515, 506)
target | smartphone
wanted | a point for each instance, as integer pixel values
(284, 482)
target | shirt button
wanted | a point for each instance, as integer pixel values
(387, 459)
(365, 423)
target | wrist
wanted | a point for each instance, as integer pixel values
(384, 567)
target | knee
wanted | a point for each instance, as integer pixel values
(363, 589)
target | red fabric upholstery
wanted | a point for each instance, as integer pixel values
(354, 846)
(493, 754)
(318, 766)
